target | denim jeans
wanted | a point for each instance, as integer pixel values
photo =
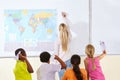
(68, 64)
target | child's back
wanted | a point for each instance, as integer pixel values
(95, 72)
(92, 63)
(47, 71)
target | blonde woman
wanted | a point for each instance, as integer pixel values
(62, 46)
(92, 64)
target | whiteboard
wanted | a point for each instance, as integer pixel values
(78, 12)
(106, 25)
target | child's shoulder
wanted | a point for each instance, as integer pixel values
(69, 69)
(97, 57)
(83, 70)
(86, 60)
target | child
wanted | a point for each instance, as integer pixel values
(75, 73)
(22, 68)
(47, 71)
(92, 63)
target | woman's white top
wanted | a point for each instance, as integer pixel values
(58, 47)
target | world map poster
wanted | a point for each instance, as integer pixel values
(34, 30)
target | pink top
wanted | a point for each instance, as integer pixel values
(97, 73)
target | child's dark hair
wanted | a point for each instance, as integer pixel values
(44, 56)
(21, 50)
(75, 61)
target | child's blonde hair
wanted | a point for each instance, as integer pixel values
(90, 50)
(64, 36)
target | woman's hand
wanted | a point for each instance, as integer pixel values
(64, 14)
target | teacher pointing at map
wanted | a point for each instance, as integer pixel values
(62, 44)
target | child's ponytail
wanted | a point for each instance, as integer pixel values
(77, 72)
(75, 61)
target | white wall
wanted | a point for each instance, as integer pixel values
(106, 24)
(110, 65)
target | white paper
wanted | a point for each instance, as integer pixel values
(17, 57)
(102, 44)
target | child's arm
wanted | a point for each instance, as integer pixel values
(29, 67)
(102, 55)
(63, 65)
(86, 63)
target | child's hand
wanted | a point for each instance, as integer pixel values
(56, 57)
(104, 52)
(21, 57)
